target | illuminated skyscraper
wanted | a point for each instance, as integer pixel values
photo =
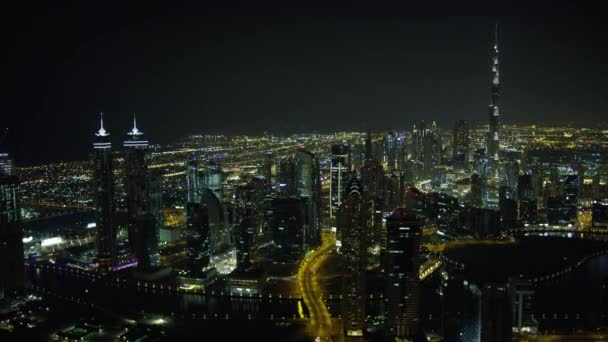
(394, 188)
(196, 216)
(308, 175)
(288, 182)
(213, 178)
(144, 201)
(357, 153)
(340, 170)
(11, 235)
(369, 154)
(401, 268)
(460, 145)
(213, 231)
(416, 141)
(596, 186)
(156, 210)
(390, 149)
(6, 162)
(492, 174)
(401, 153)
(428, 148)
(267, 169)
(493, 138)
(193, 179)
(562, 209)
(245, 226)
(372, 179)
(354, 222)
(104, 199)
(136, 169)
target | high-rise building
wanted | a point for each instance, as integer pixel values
(214, 179)
(340, 170)
(390, 149)
(401, 153)
(136, 172)
(562, 208)
(414, 200)
(476, 190)
(288, 216)
(580, 171)
(308, 175)
(437, 147)
(267, 169)
(395, 184)
(144, 201)
(369, 153)
(401, 268)
(196, 223)
(526, 199)
(377, 234)
(416, 141)
(425, 149)
(596, 186)
(156, 209)
(522, 300)
(508, 208)
(427, 152)
(288, 181)
(104, 199)
(213, 232)
(193, 179)
(493, 180)
(372, 179)
(11, 234)
(461, 301)
(6, 164)
(245, 226)
(460, 145)
(493, 138)
(353, 223)
(571, 189)
(484, 222)
(357, 154)
(196, 214)
(495, 313)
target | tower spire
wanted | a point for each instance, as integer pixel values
(102, 132)
(496, 37)
(134, 130)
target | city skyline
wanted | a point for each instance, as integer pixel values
(202, 65)
(354, 175)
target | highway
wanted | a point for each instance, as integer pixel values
(320, 320)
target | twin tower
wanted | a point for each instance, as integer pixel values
(144, 203)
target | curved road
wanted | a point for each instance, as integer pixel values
(320, 320)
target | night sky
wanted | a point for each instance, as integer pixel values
(200, 68)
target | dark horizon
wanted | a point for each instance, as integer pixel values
(246, 70)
